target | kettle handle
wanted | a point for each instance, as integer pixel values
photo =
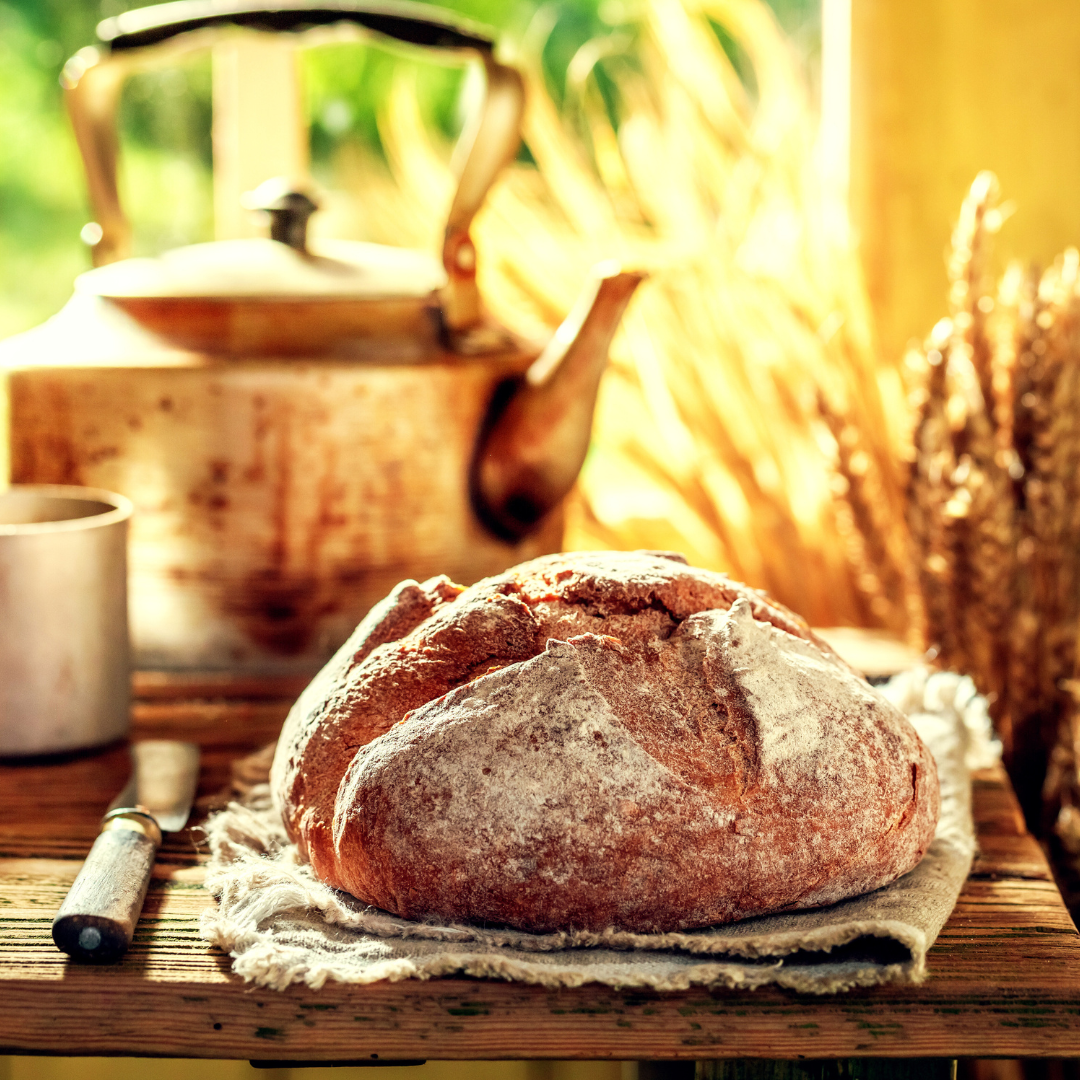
(93, 79)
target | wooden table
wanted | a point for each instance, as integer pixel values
(1004, 975)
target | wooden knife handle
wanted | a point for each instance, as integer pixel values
(97, 918)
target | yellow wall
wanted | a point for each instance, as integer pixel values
(939, 90)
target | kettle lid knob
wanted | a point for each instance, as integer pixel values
(289, 209)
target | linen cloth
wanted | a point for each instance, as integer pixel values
(282, 926)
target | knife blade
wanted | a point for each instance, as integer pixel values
(98, 916)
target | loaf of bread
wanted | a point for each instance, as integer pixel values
(598, 739)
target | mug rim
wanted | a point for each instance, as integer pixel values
(122, 508)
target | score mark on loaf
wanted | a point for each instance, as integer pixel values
(599, 739)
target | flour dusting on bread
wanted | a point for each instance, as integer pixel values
(599, 739)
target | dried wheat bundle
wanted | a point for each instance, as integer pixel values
(744, 418)
(992, 501)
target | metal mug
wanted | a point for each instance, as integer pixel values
(65, 681)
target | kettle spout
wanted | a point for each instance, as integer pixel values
(536, 434)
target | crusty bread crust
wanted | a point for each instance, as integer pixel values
(599, 739)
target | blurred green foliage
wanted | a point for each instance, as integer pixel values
(165, 126)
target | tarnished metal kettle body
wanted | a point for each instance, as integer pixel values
(299, 427)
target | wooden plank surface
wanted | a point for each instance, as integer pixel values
(1004, 975)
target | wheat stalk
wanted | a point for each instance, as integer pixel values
(993, 501)
(707, 436)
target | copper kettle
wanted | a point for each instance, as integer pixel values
(299, 425)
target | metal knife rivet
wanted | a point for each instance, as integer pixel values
(89, 938)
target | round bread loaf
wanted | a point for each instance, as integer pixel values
(598, 739)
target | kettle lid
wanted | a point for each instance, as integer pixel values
(265, 268)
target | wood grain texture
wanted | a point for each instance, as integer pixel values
(846, 1069)
(1004, 974)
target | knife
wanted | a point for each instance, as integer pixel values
(97, 918)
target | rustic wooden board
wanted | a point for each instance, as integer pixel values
(1005, 973)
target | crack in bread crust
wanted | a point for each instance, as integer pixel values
(407, 772)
